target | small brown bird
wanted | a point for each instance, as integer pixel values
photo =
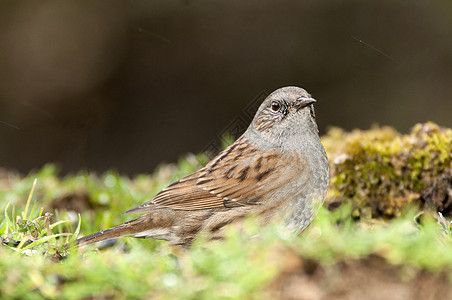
(277, 170)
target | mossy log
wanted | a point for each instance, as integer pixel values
(381, 171)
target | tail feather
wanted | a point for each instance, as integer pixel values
(103, 235)
(142, 227)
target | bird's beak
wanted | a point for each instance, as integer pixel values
(304, 101)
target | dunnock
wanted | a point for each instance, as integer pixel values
(277, 170)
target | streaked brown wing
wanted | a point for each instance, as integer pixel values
(235, 177)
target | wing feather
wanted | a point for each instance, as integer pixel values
(236, 177)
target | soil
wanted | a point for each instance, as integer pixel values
(78, 201)
(368, 278)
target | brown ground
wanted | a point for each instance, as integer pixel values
(369, 278)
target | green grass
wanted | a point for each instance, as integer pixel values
(241, 267)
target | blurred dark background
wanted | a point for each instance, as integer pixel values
(130, 84)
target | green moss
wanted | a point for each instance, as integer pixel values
(385, 171)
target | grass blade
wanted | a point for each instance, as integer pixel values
(77, 230)
(9, 225)
(58, 223)
(41, 241)
(24, 214)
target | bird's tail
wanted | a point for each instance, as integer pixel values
(103, 235)
(142, 227)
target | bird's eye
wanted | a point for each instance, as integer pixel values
(276, 106)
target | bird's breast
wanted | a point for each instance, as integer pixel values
(308, 191)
